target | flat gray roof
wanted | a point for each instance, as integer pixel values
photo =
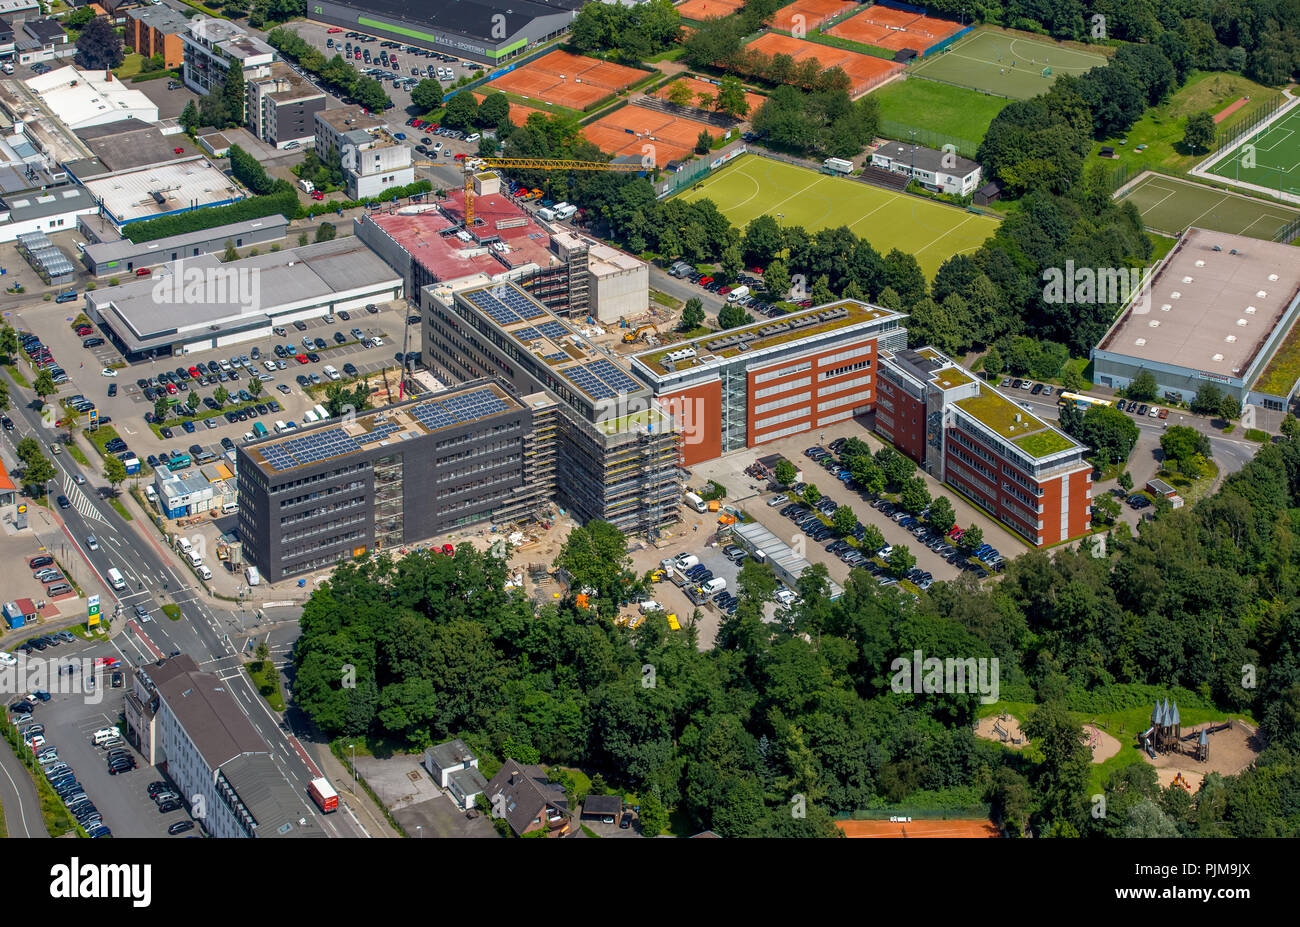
(106, 252)
(1214, 303)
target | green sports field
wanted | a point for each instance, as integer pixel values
(1169, 205)
(1270, 159)
(752, 186)
(1010, 65)
(930, 107)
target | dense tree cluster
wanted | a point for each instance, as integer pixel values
(334, 72)
(430, 647)
(632, 33)
(818, 122)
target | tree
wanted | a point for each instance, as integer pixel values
(872, 539)
(160, 408)
(326, 231)
(1061, 776)
(692, 315)
(1186, 449)
(44, 384)
(1126, 481)
(811, 494)
(900, 561)
(38, 472)
(786, 472)
(595, 557)
(99, 47)
(1229, 408)
(190, 118)
(993, 364)
(971, 539)
(942, 516)
(1109, 432)
(731, 97)
(427, 95)
(732, 315)
(703, 142)
(1290, 426)
(370, 93)
(114, 472)
(462, 109)
(231, 254)
(821, 291)
(914, 496)
(653, 816)
(1208, 400)
(4, 396)
(8, 343)
(232, 95)
(1143, 387)
(1199, 134)
(680, 94)
(1105, 510)
(255, 387)
(776, 280)
(844, 520)
(494, 111)
(220, 395)
(731, 262)
(1072, 380)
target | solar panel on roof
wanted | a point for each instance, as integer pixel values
(553, 330)
(616, 378)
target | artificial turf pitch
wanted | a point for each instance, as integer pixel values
(1170, 205)
(752, 186)
(1008, 65)
(1270, 159)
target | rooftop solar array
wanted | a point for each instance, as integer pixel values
(586, 381)
(613, 376)
(553, 330)
(505, 305)
(308, 449)
(380, 431)
(556, 357)
(456, 410)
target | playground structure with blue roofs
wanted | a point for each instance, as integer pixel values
(1165, 735)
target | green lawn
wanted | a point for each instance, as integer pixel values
(267, 680)
(751, 186)
(1161, 127)
(130, 67)
(1007, 64)
(933, 107)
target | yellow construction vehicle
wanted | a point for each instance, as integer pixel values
(639, 334)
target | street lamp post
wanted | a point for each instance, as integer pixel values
(353, 748)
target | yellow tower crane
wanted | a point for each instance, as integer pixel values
(541, 164)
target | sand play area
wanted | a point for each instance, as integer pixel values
(1103, 746)
(1231, 751)
(1011, 736)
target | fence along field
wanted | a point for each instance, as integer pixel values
(887, 27)
(1008, 65)
(1270, 158)
(1169, 206)
(751, 186)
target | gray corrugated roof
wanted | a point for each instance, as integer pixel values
(122, 249)
(269, 798)
(602, 804)
(207, 711)
(55, 201)
(452, 753)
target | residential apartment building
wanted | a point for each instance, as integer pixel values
(331, 125)
(938, 171)
(374, 162)
(211, 47)
(41, 40)
(338, 490)
(1027, 474)
(282, 106)
(157, 30)
(616, 454)
(193, 729)
(747, 386)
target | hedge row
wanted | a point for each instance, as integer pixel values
(255, 207)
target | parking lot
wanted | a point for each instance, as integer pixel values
(70, 720)
(129, 404)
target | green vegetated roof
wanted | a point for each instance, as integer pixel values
(949, 377)
(1283, 368)
(1030, 434)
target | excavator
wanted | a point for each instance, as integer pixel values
(639, 334)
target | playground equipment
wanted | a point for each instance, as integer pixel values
(1165, 734)
(1181, 781)
(1002, 734)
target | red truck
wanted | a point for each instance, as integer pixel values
(323, 794)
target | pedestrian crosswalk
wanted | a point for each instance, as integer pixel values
(80, 501)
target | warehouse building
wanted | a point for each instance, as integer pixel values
(199, 303)
(1028, 475)
(617, 454)
(107, 252)
(1218, 309)
(388, 478)
(138, 194)
(82, 98)
(750, 385)
(487, 31)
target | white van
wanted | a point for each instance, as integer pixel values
(279, 426)
(650, 605)
(252, 576)
(714, 586)
(696, 501)
(331, 372)
(104, 734)
(204, 572)
(309, 416)
(229, 508)
(151, 494)
(194, 558)
(565, 211)
(183, 544)
(686, 561)
(115, 578)
(738, 294)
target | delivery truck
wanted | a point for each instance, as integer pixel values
(323, 794)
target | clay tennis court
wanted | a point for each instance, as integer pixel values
(565, 79)
(886, 27)
(698, 87)
(965, 828)
(814, 13)
(865, 71)
(700, 10)
(629, 130)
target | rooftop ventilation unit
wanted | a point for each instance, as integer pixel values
(1218, 357)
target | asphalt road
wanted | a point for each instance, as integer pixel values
(204, 631)
(18, 796)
